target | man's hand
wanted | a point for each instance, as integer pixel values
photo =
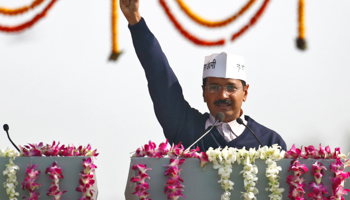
(130, 9)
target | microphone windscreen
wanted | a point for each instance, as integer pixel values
(239, 120)
(6, 127)
(220, 116)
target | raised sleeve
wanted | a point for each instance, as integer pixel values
(172, 111)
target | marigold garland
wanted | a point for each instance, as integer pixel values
(29, 23)
(252, 21)
(115, 51)
(186, 34)
(208, 23)
(301, 42)
(17, 11)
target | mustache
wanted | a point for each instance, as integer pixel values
(223, 101)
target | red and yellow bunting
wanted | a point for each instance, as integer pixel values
(301, 42)
(30, 23)
(16, 11)
(212, 24)
(115, 51)
(208, 23)
(186, 34)
(252, 21)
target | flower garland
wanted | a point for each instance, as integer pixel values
(318, 190)
(29, 183)
(252, 21)
(223, 160)
(186, 34)
(8, 153)
(11, 181)
(115, 52)
(56, 150)
(271, 155)
(296, 182)
(7, 11)
(207, 23)
(29, 23)
(86, 179)
(301, 42)
(338, 181)
(250, 170)
(55, 174)
(173, 186)
(142, 186)
(313, 153)
(10, 172)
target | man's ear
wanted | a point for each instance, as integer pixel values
(245, 92)
(204, 98)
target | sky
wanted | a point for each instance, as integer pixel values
(56, 82)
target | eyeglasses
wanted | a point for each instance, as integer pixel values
(217, 88)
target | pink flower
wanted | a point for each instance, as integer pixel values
(141, 187)
(338, 189)
(56, 150)
(162, 149)
(298, 168)
(177, 150)
(293, 153)
(296, 182)
(173, 186)
(318, 191)
(55, 174)
(142, 168)
(317, 171)
(29, 182)
(86, 181)
(311, 152)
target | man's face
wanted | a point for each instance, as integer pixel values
(223, 101)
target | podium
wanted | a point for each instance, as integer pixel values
(202, 183)
(71, 168)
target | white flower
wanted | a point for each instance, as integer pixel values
(226, 196)
(272, 172)
(248, 195)
(11, 180)
(222, 160)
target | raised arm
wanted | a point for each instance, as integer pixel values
(130, 9)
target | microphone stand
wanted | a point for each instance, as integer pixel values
(240, 121)
(6, 128)
(203, 135)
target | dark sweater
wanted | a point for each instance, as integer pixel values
(179, 121)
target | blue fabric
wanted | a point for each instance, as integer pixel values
(179, 121)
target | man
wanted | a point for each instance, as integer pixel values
(223, 92)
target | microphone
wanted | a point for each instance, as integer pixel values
(218, 118)
(6, 128)
(240, 121)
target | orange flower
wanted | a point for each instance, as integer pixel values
(7, 11)
(208, 23)
(29, 23)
